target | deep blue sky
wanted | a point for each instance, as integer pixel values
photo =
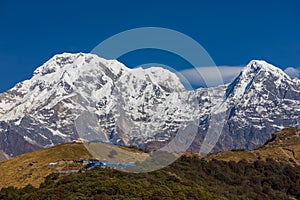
(233, 32)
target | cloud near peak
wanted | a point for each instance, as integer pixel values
(293, 72)
(195, 76)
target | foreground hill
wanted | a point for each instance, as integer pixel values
(187, 178)
(265, 173)
(32, 168)
(283, 147)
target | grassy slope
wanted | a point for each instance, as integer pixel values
(284, 147)
(33, 167)
(114, 153)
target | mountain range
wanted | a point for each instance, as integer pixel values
(84, 96)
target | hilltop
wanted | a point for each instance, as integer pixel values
(282, 147)
(33, 167)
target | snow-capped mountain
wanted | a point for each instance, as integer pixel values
(84, 96)
(260, 101)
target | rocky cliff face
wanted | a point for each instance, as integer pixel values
(83, 96)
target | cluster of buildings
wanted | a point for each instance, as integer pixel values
(90, 164)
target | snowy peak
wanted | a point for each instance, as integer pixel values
(159, 76)
(254, 76)
(69, 67)
(74, 64)
(50, 108)
(257, 66)
(66, 75)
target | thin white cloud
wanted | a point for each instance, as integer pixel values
(194, 76)
(293, 72)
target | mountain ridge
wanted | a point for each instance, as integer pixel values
(136, 107)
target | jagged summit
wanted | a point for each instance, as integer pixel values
(259, 66)
(71, 66)
(262, 64)
(254, 75)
